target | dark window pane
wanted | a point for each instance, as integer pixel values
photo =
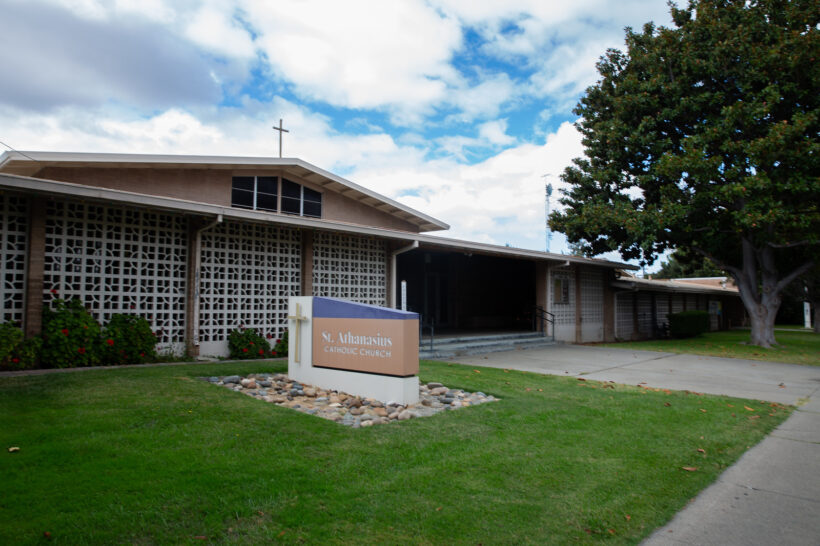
(291, 189)
(290, 205)
(266, 184)
(242, 199)
(243, 183)
(312, 195)
(265, 202)
(313, 209)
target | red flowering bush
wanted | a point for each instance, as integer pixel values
(247, 343)
(281, 347)
(128, 339)
(71, 336)
(17, 353)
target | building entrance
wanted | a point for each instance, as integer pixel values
(462, 293)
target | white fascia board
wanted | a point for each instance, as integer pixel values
(212, 161)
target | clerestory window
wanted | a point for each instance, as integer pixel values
(275, 194)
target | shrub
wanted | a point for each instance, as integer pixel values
(281, 347)
(71, 336)
(688, 323)
(17, 353)
(128, 339)
(247, 343)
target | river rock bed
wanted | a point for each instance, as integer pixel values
(347, 409)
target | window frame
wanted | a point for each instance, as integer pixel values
(280, 197)
(560, 288)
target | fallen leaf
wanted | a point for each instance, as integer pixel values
(611, 531)
(282, 533)
(14, 449)
(540, 390)
(581, 379)
(689, 468)
(730, 405)
(703, 410)
(47, 535)
(667, 404)
(701, 450)
(748, 408)
(754, 417)
(528, 389)
(438, 509)
(628, 517)
(476, 371)
(506, 371)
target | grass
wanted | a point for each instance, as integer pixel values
(793, 348)
(154, 456)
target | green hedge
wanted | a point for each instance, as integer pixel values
(688, 323)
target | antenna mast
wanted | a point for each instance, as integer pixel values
(548, 190)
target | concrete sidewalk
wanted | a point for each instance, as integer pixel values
(772, 494)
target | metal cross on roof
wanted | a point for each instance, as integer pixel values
(281, 130)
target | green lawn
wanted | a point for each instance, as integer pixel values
(153, 456)
(794, 347)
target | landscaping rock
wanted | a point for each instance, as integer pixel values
(343, 408)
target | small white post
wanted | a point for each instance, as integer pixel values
(404, 295)
(806, 314)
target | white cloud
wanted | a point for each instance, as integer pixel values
(495, 132)
(359, 54)
(217, 31)
(483, 100)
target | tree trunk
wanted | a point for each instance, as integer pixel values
(816, 316)
(759, 292)
(762, 319)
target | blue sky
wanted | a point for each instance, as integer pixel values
(456, 108)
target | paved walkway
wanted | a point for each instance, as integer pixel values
(772, 494)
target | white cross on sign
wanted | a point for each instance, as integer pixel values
(298, 318)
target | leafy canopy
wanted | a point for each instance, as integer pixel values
(702, 135)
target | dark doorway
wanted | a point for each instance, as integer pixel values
(462, 292)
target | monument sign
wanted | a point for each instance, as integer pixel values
(360, 349)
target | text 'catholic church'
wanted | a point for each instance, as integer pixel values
(202, 245)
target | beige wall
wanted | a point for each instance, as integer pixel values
(213, 186)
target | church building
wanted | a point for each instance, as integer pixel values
(200, 245)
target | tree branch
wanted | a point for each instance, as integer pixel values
(790, 245)
(793, 275)
(718, 262)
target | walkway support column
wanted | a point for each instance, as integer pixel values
(541, 292)
(609, 306)
(578, 308)
(394, 270)
(307, 263)
(35, 258)
(193, 281)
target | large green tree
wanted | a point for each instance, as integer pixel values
(704, 136)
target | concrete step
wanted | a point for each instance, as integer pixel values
(472, 345)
